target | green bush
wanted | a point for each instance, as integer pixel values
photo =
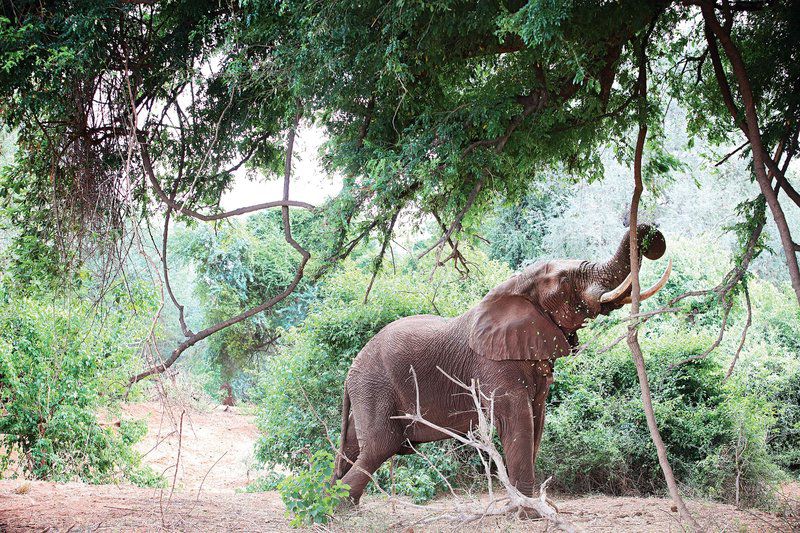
(596, 436)
(309, 496)
(63, 361)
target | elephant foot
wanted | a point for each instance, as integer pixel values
(528, 513)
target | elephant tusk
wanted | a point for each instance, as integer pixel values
(657, 286)
(610, 296)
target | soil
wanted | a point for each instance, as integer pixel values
(216, 459)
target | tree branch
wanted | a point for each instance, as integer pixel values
(457, 222)
(633, 339)
(181, 208)
(754, 135)
(379, 260)
(305, 255)
(744, 333)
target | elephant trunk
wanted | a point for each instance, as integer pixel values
(614, 274)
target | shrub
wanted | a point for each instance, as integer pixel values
(61, 362)
(596, 436)
(309, 496)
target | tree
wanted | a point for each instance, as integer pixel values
(237, 267)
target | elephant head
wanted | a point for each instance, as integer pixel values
(535, 314)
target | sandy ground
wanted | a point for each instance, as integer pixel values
(216, 454)
(215, 445)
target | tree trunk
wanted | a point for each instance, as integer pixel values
(229, 400)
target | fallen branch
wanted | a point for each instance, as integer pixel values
(481, 439)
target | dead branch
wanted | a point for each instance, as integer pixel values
(481, 438)
(178, 458)
(732, 153)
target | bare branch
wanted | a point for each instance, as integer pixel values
(457, 222)
(305, 256)
(379, 260)
(744, 332)
(633, 340)
(732, 153)
(727, 310)
(181, 208)
(482, 439)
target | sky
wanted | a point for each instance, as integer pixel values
(310, 183)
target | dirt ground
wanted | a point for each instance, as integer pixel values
(216, 460)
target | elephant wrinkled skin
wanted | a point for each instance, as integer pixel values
(508, 342)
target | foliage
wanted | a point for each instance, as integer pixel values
(62, 361)
(237, 267)
(310, 496)
(516, 233)
(421, 102)
(597, 436)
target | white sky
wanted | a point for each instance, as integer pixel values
(310, 183)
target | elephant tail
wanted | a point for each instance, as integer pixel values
(341, 459)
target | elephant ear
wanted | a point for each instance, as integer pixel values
(511, 327)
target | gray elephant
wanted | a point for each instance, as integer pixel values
(508, 341)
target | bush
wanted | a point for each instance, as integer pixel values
(596, 436)
(310, 496)
(61, 362)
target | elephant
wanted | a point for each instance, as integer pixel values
(509, 342)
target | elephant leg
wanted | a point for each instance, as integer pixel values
(379, 438)
(539, 408)
(369, 460)
(517, 437)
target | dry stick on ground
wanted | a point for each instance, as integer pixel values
(481, 439)
(633, 339)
